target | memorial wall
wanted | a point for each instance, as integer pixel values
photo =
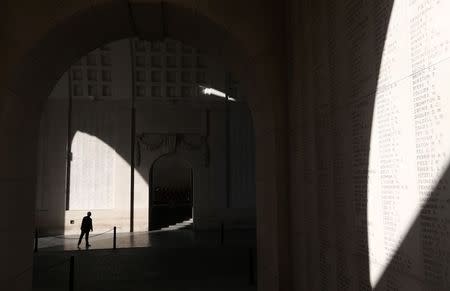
(370, 101)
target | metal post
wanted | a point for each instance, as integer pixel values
(227, 143)
(251, 274)
(71, 273)
(69, 140)
(114, 241)
(221, 233)
(132, 134)
(36, 238)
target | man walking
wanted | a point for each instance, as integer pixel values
(86, 227)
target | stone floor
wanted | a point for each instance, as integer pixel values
(180, 235)
(169, 259)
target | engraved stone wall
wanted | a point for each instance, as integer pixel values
(370, 117)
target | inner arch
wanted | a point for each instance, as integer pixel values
(92, 104)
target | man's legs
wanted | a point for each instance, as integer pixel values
(81, 237)
(87, 239)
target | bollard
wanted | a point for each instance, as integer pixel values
(114, 239)
(221, 233)
(251, 273)
(71, 273)
(36, 240)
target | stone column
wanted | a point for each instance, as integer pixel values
(18, 135)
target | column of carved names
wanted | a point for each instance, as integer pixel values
(429, 51)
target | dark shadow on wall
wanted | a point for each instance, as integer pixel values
(342, 49)
(359, 39)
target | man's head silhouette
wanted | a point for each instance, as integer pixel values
(89, 213)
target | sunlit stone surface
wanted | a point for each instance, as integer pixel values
(410, 144)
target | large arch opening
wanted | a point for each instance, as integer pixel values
(199, 31)
(125, 105)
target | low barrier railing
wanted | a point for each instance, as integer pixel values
(36, 238)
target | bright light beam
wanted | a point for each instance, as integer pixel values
(212, 91)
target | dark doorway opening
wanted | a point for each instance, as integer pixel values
(171, 192)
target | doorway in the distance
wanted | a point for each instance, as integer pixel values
(170, 187)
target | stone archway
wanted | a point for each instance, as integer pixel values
(60, 39)
(192, 149)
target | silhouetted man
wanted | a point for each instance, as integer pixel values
(86, 227)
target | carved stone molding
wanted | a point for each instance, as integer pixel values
(169, 143)
(153, 142)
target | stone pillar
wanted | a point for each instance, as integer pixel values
(272, 209)
(18, 135)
